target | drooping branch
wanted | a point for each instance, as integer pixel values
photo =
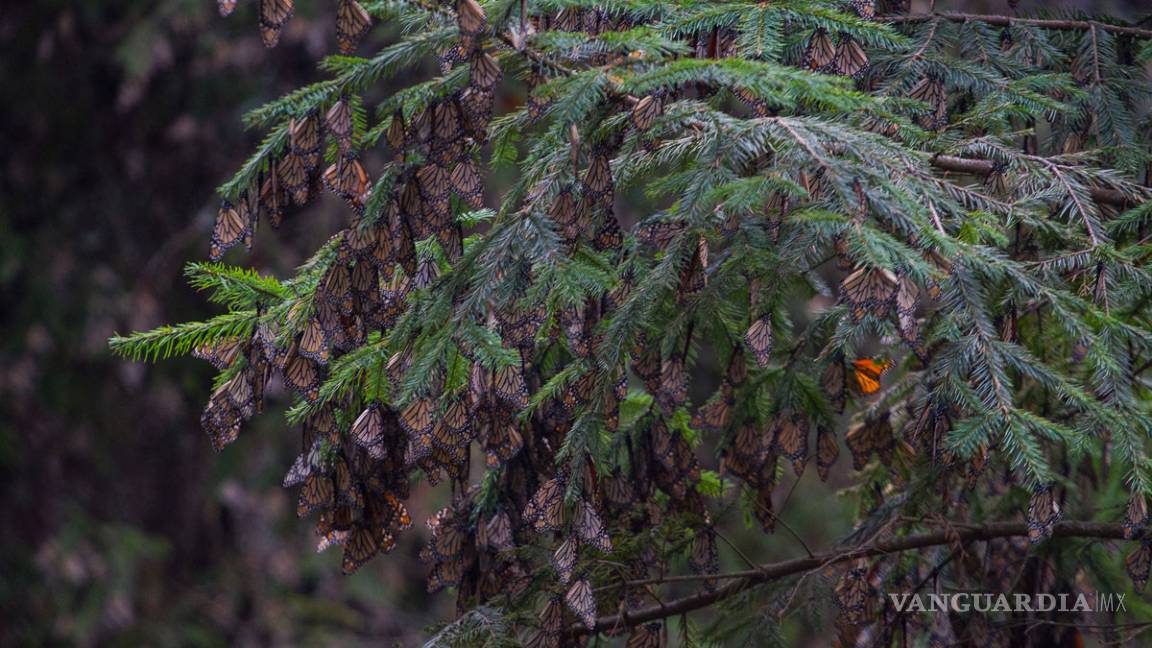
(742, 580)
(1007, 21)
(985, 167)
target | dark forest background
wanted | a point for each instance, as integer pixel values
(118, 522)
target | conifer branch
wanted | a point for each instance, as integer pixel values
(1008, 21)
(742, 580)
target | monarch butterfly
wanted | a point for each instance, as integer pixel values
(390, 513)
(457, 421)
(504, 442)
(476, 111)
(660, 233)
(510, 387)
(581, 601)
(705, 559)
(758, 105)
(854, 595)
(930, 90)
(590, 528)
(519, 328)
(714, 415)
(866, 374)
(1136, 517)
(1138, 564)
(295, 178)
(874, 435)
(302, 467)
(759, 339)
(470, 16)
(850, 60)
(618, 491)
(336, 288)
(221, 353)
(552, 617)
(744, 455)
(347, 489)
(564, 560)
(304, 141)
(466, 182)
(598, 179)
(869, 291)
(790, 440)
(447, 542)
(645, 112)
(694, 277)
(835, 384)
(485, 70)
(866, 9)
(763, 508)
(827, 451)
(820, 52)
(314, 343)
(231, 229)
(545, 511)
(368, 429)
(907, 296)
(395, 135)
(499, 532)
(302, 376)
(339, 123)
(273, 15)
(348, 179)
(416, 419)
(273, 197)
(645, 636)
(352, 23)
(1043, 513)
(360, 547)
(318, 493)
(226, 7)
(446, 121)
(673, 385)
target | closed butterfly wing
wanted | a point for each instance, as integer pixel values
(545, 511)
(318, 493)
(827, 451)
(759, 340)
(866, 374)
(590, 528)
(231, 229)
(645, 112)
(352, 23)
(274, 14)
(820, 51)
(361, 546)
(564, 560)
(1043, 513)
(582, 602)
(1138, 565)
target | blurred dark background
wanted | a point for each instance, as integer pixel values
(118, 523)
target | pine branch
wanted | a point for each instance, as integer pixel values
(742, 580)
(1008, 21)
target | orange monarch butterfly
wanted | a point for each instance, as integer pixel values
(827, 451)
(854, 595)
(499, 532)
(509, 386)
(302, 467)
(360, 547)
(660, 233)
(295, 178)
(520, 327)
(318, 493)
(758, 105)
(446, 118)
(221, 353)
(226, 7)
(850, 59)
(485, 70)
(348, 179)
(1043, 513)
(1138, 564)
(471, 17)
(618, 490)
(416, 419)
(866, 374)
(238, 393)
(504, 442)
(368, 429)
(395, 133)
(564, 560)
(763, 508)
(273, 197)
(759, 339)
(930, 90)
(314, 343)
(347, 490)
(790, 440)
(869, 291)
(466, 182)
(573, 322)
(231, 229)
(866, 9)
(694, 277)
(336, 288)
(458, 421)
(820, 52)
(645, 636)
(552, 617)
(590, 528)
(1136, 517)
(704, 558)
(357, 241)
(673, 385)
(714, 415)
(339, 123)
(872, 436)
(645, 112)
(302, 376)
(352, 23)
(273, 15)
(598, 179)
(476, 111)
(835, 384)
(545, 511)
(304, 141)
(582, 602)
